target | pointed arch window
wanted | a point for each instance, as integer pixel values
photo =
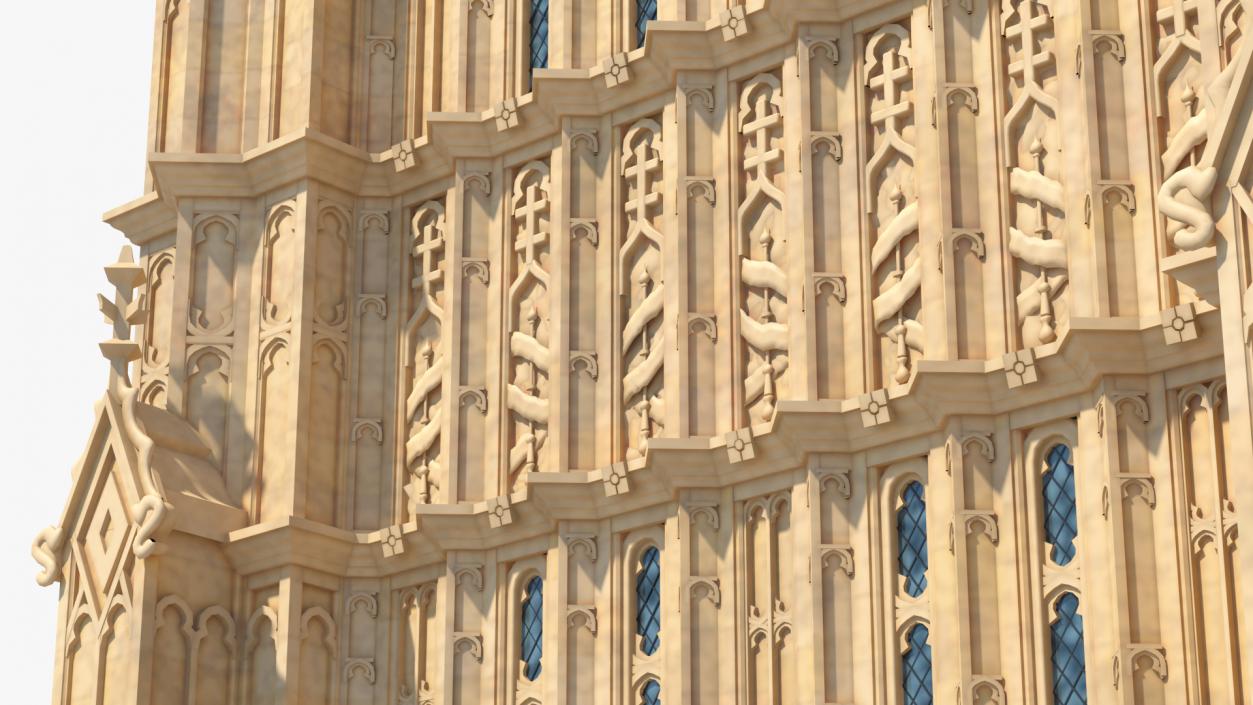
(532, 646)
(911, 533)
(648, 601)
(650, 694)
(1061, 524)
(916, 667)
(645, 12)
(1070, 681)
(538, 36)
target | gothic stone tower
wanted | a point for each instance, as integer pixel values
(592, 352)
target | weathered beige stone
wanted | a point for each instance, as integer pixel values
(411, 325)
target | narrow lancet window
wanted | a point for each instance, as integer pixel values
(1061, 525)
(532, 646)
(911, 532)
(1070, 681)
(645, 12)
(916, 667)
(650, 694)
(648, 601)
(539, 37)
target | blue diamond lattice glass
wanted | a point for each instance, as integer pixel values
(645, 12)
(916, 667)
(911, 534)
(1070, 680)
(650, 694)
(1061, 525)
(648, 601)
(533, 628)
(539, 34)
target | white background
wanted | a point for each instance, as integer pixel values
(74, 82)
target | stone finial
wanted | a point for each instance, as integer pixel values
(123, 312)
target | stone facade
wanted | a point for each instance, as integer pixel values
(793, 351)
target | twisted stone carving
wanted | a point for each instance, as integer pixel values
(527, 394)
(425, 362)
(763, 299)
(641, 286)
(894, 258)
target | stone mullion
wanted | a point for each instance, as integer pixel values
(736, 567)
(561, 264)
(797, 214)
(961, 627)
(302, 341)
(1027, 570)
(678, 366)
(455, 66)
(1118, 611)
(811, 586)
(882, 596)
(1075, 129)
(1103, 618)
(1171, 573)
(446, 613)
(452, 338)
(673, 267)
(363, 88)
(726, 355)
(246, 368)
(613, 232)
(799, 96)
(999, 323)
(553, 674)
(848, 106)
(393, 423)
(672, 676)
(1093, 213)
(1137, 101)
(287, 641)
(558, 443)
(184, 253)
(944, 596)
(609, 381)
(185, 140)
(496, 455)
(735, 192)
(1016, 645)
(680, 681)
(933, 175)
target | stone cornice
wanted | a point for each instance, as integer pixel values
(651, 71)
(1064, 371)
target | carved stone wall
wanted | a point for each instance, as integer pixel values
(771, 327)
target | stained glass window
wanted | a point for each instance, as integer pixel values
(911, 533)
(533, 627)
(539, 34)
(645, 12)
(1061, 525)
(1070, 681)
(916, 667)
(650, 694)
(648, 601)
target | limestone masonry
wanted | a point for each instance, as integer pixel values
(627, 352)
